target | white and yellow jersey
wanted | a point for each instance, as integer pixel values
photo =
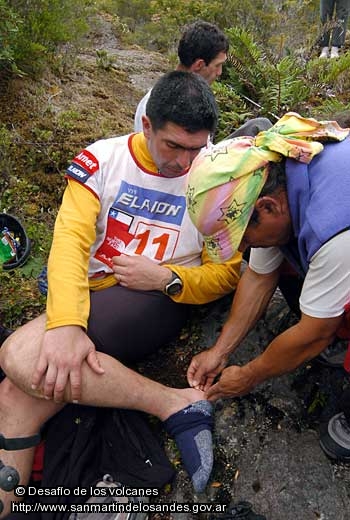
(116, 202)
(141, 213)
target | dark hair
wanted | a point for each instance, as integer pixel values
(183, 98)
(276, 181)
(201, 40)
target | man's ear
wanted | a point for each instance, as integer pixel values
(268, 205)
(197, 66)
(146, 125)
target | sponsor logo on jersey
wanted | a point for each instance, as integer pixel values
(77, 173)
(150, 204)
(87, 161)
(117, 237)
(82, 166)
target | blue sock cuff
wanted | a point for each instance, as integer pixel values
(199, 414)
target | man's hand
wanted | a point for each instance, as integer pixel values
(204, 367)
(234, 381)
(63, 351)
(141, 273)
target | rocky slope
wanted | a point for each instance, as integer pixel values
(266, 444)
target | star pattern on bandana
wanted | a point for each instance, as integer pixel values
(234, 210)
(213, 244)
(214, 153)
(258, 172)
(190, 198)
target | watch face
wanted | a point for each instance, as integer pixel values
(174, 288)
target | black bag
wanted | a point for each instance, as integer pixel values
(124, 512)
(85, 443)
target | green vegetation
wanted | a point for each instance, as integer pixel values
(273, 59)
(273, 67)
(32, 32)
(273, 64)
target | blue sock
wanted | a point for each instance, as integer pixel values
(191, 427)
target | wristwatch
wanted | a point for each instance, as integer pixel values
(173, 287)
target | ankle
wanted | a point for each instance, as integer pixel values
(178, 400)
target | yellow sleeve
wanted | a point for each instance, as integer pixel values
(209, 281)
(68, 301)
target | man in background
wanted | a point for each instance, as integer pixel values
(202, 49)
(334, 16)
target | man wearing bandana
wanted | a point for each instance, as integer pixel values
(285, 194)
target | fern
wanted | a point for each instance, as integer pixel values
(233, 110)
(275, 83)
(339, 73)
(247, 61)
(286, 88)
(327, 78)
(330, 109)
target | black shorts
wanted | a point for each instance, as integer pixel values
(129, 325)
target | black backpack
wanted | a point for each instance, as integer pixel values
(83, 444)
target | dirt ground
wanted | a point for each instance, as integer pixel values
(266, 443)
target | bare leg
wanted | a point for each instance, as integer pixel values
(21, 415)
(118, 387)
(22, 412)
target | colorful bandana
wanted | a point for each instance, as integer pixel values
(226, 180)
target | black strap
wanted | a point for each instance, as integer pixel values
(19, 443)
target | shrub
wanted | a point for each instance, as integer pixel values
(36, 29)
(9, 27)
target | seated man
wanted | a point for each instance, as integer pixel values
(202, 49)
(285, 195)
(125, 259)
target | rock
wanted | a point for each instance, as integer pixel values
(266, 443)
(287, 476)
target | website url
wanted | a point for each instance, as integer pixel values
(117, 507)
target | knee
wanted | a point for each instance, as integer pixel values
(10, 359)
(20, 352)
(259, 124)
(6, 355)
(22, 414)
(10, 397)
